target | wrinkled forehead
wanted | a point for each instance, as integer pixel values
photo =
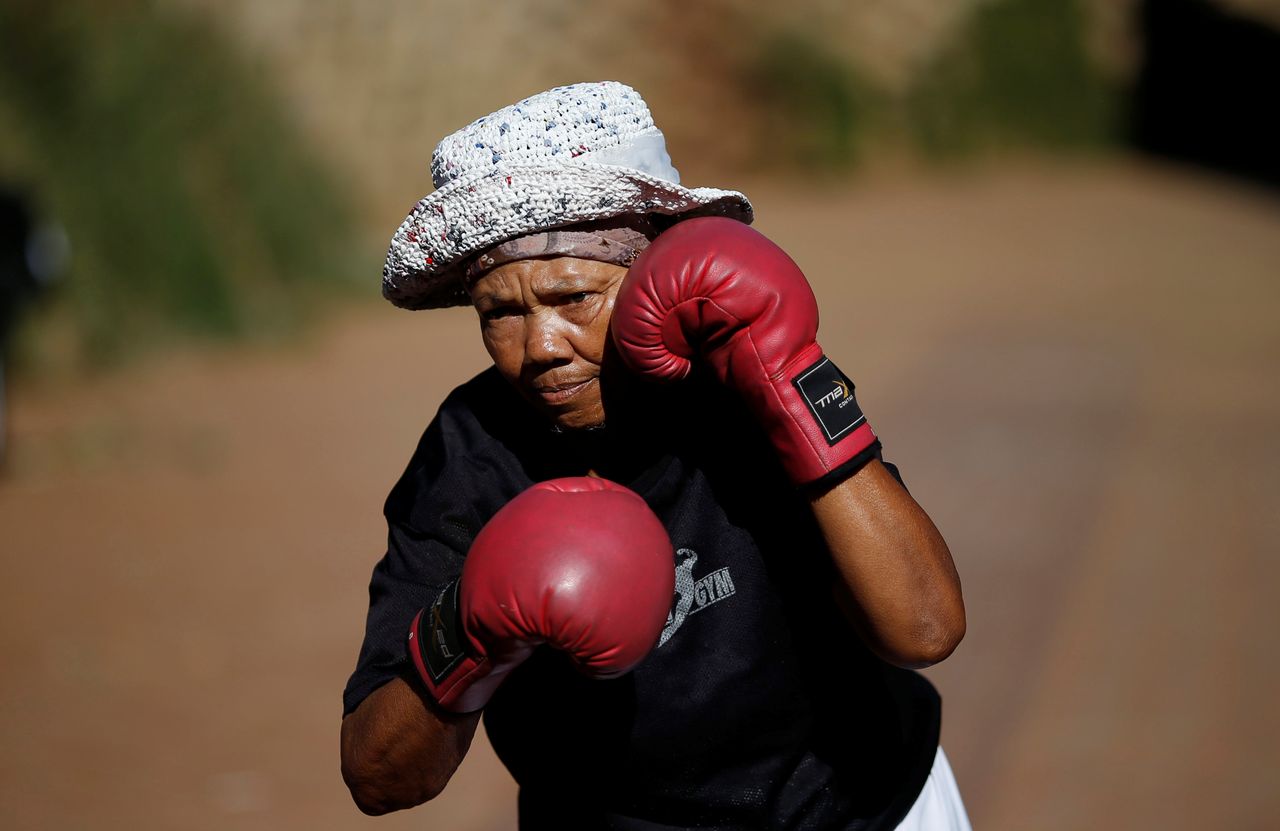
(617, 240)
(542, 277)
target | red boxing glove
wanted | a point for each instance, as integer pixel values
(712, 288)
(580, 564)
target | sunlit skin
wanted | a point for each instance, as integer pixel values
(545, 323)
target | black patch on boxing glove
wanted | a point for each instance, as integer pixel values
(440, 640)
(828, 392)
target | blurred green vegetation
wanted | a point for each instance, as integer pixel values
(1016, 76)
(802, 82)
(192, 206)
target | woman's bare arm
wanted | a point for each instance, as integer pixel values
(895, 567)
(399, 751)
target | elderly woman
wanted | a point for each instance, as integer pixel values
(655, 544)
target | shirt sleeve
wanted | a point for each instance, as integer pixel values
(430, 526)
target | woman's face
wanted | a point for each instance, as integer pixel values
(545, 323)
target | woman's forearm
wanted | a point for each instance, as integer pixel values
(894, 567)
(398, 751)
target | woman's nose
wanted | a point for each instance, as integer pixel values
(545, 339)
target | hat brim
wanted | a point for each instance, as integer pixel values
(426, 257)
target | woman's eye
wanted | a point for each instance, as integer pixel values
(578, 297)
(499, 313)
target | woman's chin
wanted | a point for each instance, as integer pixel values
(579, 418)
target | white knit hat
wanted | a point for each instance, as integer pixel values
(572, 154)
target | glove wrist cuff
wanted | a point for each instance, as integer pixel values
(814, 420)
(438, 647)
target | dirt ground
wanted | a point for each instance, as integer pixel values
(1075, 367)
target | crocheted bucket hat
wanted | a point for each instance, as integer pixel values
(569, 155)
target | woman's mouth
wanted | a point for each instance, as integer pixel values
(560, 393)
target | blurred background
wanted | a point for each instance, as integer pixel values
(1044, 234)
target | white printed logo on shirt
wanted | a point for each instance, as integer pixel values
(694, 595)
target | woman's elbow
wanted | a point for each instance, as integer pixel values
(377, 782)
(946, 636)
(939, 619)
(371, 800)
(375, 802)
(931, 640)
(939, 637)
(377, 790)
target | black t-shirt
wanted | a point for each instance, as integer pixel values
(759, 708)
